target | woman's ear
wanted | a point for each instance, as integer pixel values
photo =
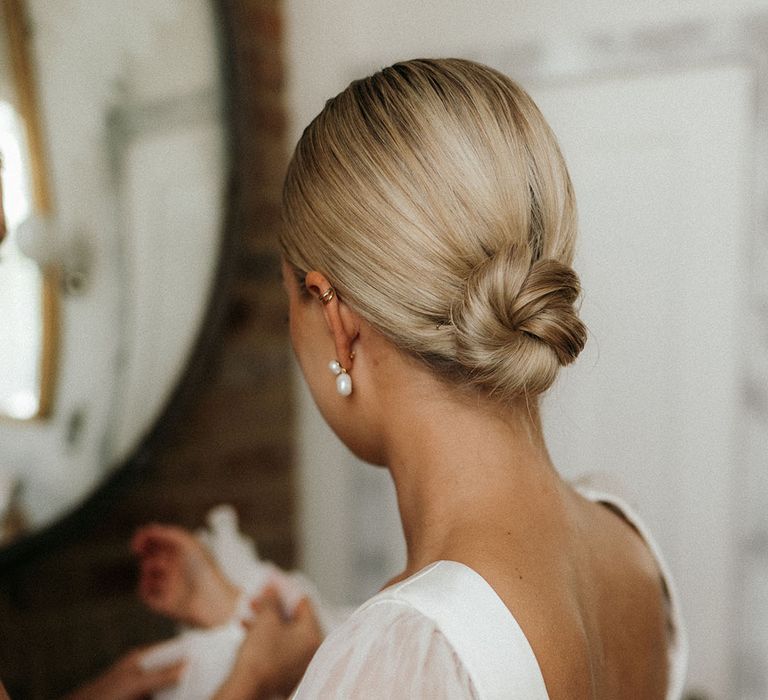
(343, 323)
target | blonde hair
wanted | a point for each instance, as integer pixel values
(434, 197)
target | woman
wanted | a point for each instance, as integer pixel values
(429, 233)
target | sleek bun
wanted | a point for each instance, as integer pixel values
(516, 324)
(434, 197)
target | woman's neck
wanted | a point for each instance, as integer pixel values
(467, 473)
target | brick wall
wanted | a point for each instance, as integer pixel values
(69, 609)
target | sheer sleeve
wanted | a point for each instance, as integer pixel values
(386, 650)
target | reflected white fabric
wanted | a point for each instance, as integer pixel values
(444, 633)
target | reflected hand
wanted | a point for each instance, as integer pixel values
(126, 679)
(179, 577)
(276, 650)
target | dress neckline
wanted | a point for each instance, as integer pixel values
(481, 629)
(678, 646)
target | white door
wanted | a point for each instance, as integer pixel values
(660, 163)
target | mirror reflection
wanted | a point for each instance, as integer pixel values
(26, 302)
(134, 142)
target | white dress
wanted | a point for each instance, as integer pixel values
(444, 633)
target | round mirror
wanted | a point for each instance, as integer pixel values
(114, 164)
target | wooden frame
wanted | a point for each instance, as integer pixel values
(17, 28)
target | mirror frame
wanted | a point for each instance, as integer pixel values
(15, 19)
(128, 472)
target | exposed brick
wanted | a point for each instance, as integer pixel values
(267, 459)
(269, 120)
(254, 317)
(269, 215)
(260, 266)
(264, 19)
(261, 65)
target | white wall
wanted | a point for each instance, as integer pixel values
(331, 42)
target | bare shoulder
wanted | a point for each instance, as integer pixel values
(588, 593)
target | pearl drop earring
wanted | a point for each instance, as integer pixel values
(343, 380)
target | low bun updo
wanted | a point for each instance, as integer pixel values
(516, 324)
(434, 197)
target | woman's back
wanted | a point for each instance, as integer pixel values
(590, 599)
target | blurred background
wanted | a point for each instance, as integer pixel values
(145, 369)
